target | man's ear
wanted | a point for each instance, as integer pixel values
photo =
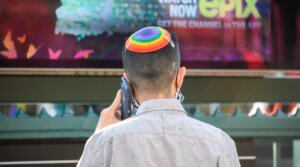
(180, 77)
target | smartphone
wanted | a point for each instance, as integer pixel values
(126, 101)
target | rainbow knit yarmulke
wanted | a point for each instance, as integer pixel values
(148, 39)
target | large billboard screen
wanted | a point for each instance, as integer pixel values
(213, 34)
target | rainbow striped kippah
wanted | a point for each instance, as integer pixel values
(148, 39)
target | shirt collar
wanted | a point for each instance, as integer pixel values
(160, 105)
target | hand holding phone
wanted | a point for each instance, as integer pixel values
(111, 114)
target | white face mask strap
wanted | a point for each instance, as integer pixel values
(134, 103)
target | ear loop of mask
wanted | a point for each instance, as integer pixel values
(135, 104)
(179, 96)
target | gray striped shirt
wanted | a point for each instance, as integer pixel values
(161, 134)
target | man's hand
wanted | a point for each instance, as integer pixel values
(112, 114)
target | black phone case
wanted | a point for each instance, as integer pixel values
(126, 93)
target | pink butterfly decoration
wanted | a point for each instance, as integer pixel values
(83, 54)
(11, 52)
(32, 50)
(54, 55)
(22, 39)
